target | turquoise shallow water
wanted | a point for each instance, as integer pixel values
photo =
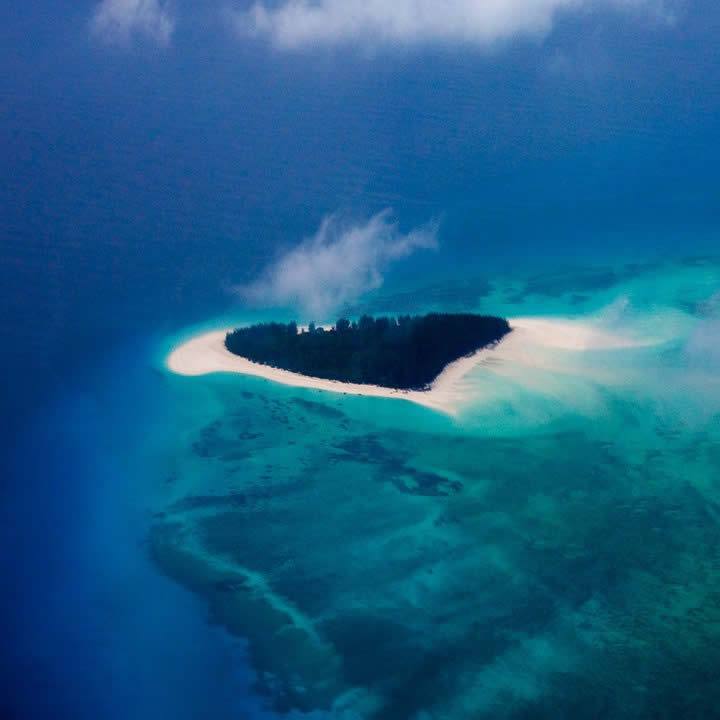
(550, 552)
(230, 547)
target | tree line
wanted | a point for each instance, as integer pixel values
(406, 352)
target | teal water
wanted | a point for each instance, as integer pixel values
(551, 552)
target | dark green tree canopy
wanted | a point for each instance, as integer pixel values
(405, 352)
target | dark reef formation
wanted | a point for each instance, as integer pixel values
(407, 352)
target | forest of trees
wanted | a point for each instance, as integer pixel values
(406, 352)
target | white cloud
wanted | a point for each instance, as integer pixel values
(337, 265)
(299, 23)
(117, 22)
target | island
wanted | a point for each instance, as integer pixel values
(403, 353)
(536, 346)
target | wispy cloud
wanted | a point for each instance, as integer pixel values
(299, 23)
(337, 265)
(118, 22)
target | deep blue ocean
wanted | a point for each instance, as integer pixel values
(140, 185)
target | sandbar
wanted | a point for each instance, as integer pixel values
(206, 353)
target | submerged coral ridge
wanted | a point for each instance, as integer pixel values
(480, 596)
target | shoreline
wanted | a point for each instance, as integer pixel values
(206, 353)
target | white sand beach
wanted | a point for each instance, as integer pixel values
(207, 353)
